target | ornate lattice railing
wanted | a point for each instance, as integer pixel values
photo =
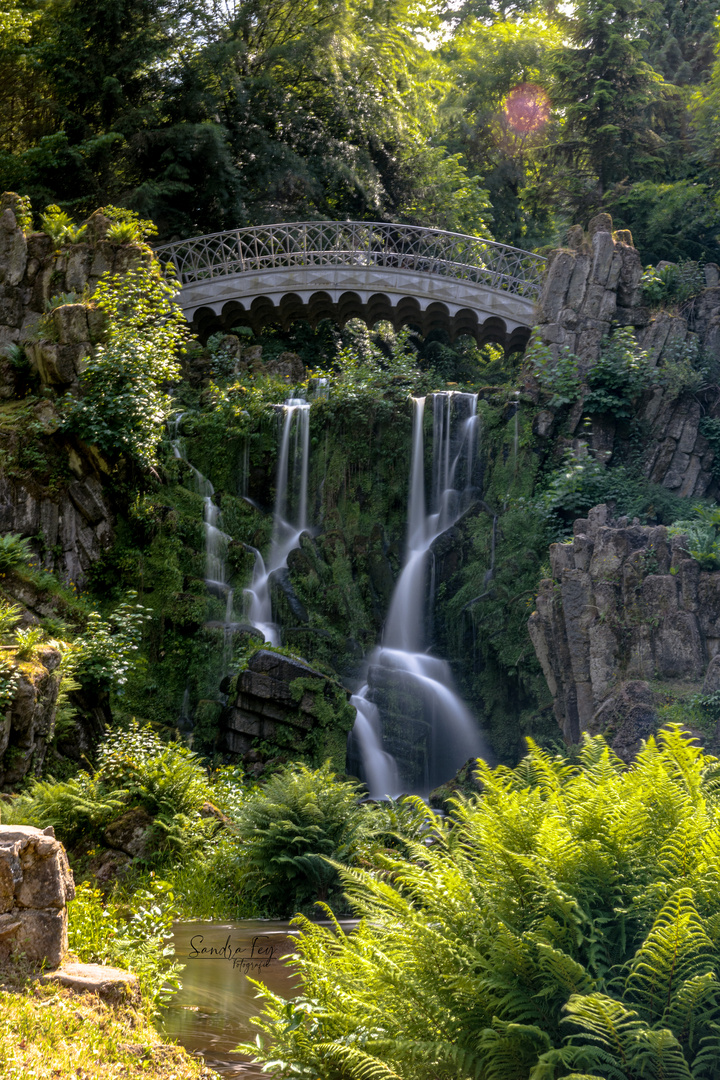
(356, 243)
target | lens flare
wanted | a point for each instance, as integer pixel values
(527, 109)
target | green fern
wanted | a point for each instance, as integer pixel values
(566, 923)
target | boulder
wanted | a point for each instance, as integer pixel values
(35, 884)
(131, 832)
(287, 366)
(109, 865)
(113, 985)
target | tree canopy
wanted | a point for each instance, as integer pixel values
(510, 120)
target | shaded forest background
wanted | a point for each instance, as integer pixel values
(506, 119)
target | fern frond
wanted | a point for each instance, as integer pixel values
(359, 1065)
(676, 949)
(658, 1055)
(604, 1021)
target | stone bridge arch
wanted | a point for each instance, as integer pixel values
(341, 270)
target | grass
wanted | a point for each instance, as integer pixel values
(50, 1033)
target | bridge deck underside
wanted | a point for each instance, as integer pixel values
(424, 301)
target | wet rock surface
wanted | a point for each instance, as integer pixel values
(279, 697)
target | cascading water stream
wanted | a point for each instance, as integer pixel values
(216, 541)
(429, 706)
(289, 515)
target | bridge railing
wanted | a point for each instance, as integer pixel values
(356, 243)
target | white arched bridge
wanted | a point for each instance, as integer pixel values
(341, 270)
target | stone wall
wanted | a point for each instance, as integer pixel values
(592, 286)
(625, 605)
(35, 885)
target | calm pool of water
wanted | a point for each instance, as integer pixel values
(211, 1014)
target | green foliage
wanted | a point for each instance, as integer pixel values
(558, 376)
(166, 778)
(710, 429)
(135, 769)
(27, 642)
(15, 551)
(561, 924)
(59, 300)
(106, 651)
(127, 226)
(676, 220)
(80, 806)
(703, 536)
(608, 93)
(582, 482)
(673, 282)
(124, 405)
(618, 377)
(9, 682)
(59, 225)
(364, 365)
(135, 936)
(290, 828)
(10, 615)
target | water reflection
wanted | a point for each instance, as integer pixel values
(211, 1014)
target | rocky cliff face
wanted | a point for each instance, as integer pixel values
(60, 498)
(27, 726)
(592, 286)
(626, 609)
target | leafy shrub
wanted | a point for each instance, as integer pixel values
(673, 282)
(9, 682)
(59, 300)
(14, 551)
(582, 482)
(122, 232)
(684, 369)
(124, 404)
(559, 377)
(127, 226)
(107, 650)
(563, 924)
(367, 364)
(17, 356)
(10, 615)
(166, 778)
(137, 937)
(135, 768)
(290, 827)
(619, 376)
(79, 807)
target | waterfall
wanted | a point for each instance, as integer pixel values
(289, 515)
(216, 541)
(380, 767)
(424, 719)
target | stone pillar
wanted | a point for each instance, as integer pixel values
(35, 884)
